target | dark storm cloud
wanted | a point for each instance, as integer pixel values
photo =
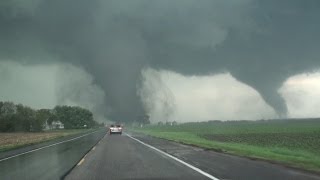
(261, 43)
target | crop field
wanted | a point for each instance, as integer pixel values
(293, 143)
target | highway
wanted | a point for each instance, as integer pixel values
(120, 157)
(135, 156)
(143, 157)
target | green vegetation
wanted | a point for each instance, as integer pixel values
(292, 142)
(19, 118)
(73, 117)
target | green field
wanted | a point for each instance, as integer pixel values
(295, 143)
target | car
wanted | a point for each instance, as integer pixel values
(115, 129)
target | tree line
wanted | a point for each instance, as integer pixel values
(20, 118)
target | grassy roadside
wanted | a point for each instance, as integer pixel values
(10, 141)
(294, 144)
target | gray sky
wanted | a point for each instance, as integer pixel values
(27, 85)
(45, 86)
(260, 43)
(166, 95)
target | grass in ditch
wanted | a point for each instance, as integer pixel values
(10, 141)
(291, 142)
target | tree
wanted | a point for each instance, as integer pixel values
(143, 120)
(74, 117)
(23, 118)
(42, 117)
(7, 112)
(8, 108)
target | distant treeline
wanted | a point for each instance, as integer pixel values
(17, 117)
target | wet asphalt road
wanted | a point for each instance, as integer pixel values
(120, 157)
(48, 163)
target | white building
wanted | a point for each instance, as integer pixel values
(54, 125)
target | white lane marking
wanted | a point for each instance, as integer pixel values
(172, 157)
(82, 160)
(44, 147)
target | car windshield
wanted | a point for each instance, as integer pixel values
(160, 89)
